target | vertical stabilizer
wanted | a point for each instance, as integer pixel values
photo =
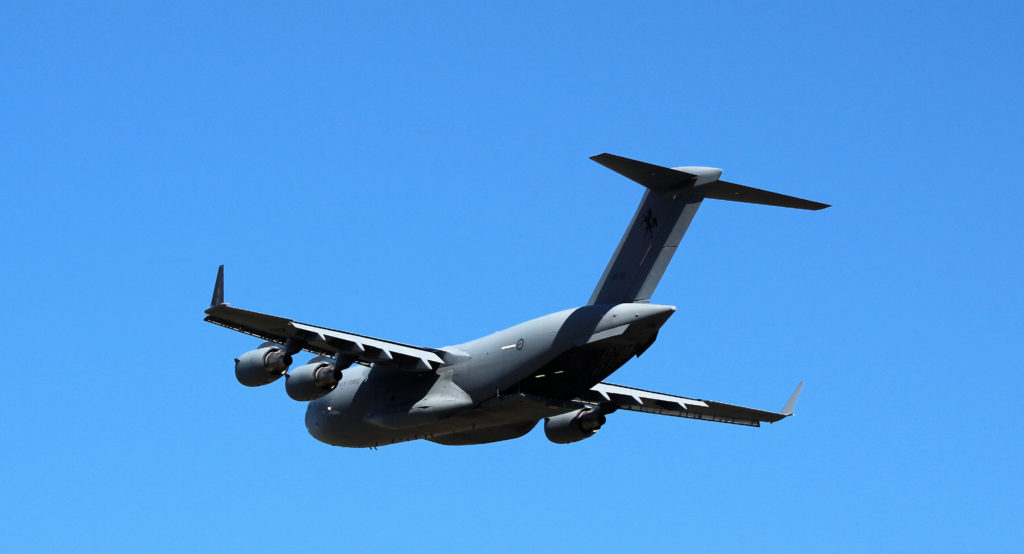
(669, 204)
(672, 199)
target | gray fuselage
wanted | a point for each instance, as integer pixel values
(483, 394)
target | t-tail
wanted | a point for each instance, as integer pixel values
(671, 200)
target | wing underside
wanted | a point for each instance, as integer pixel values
(324, 341)
(639, 400)
(320, 340)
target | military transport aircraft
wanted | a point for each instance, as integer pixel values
(369, 392)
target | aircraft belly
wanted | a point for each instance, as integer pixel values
(485, 435)
(499, 418)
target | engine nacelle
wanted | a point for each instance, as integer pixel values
(312, 380)
(573, 426)
(261, 366)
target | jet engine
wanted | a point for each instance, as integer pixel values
(264, 365)
(313, 380)
(573, 426)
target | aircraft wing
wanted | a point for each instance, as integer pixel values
(320, 340)
(638, 400)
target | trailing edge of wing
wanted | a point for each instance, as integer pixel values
(326, 342)
(320, 340)
(639, 400)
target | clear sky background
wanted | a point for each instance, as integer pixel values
(419, 172)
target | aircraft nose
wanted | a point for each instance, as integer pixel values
(316, 419)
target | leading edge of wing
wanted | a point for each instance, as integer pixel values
(639, 400)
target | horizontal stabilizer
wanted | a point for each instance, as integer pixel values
(724, 190)
(655, 177)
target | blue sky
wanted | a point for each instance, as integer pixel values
(419, 172)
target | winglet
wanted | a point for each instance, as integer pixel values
(218, 289)
(787, 410)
